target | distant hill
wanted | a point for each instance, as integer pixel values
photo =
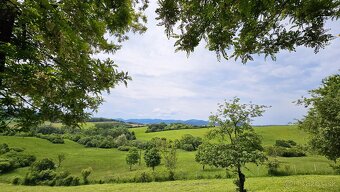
(196, 122)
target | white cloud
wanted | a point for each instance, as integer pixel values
(170, 85)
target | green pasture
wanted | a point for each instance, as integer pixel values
(108, 164)
(269, 133)
(315, 183)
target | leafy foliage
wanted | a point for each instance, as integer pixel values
(171, 126)
(247, 27)
(169, 154)
(239, 144)
(48, 68)
(12, 158)
(188, 142)
(285, 143)
(43, 173)
(132, 157)
(152, 158)
(323, 117)
(85, 174)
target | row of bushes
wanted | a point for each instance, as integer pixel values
(53, 138)
(12, 158)
(285, 152)
(44, 172)
(285, 143)
(171, 126)
(188, 142)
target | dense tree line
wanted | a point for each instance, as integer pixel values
(172, 126)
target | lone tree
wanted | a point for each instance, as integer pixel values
(48, 68)
(169, 154)
(132, 157)
(323, 117)
(248, 27)
(239, 144)
(61, 158)
(152, 158)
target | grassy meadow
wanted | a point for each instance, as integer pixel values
(109, 164)
(315, 183)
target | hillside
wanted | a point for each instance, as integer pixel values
(167, 121)
(109, 164)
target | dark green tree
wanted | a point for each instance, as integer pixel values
(152, 158)
(323, 117)
(132, 157)
(48, 67)
(205, 154)
(239, 144)
(248, 27)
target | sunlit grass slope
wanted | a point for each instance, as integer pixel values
(260, 184)
(110, 163)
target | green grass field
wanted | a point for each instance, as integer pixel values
(315, 183)
(110, 163)
(269, 133)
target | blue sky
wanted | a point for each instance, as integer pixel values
(170, 85)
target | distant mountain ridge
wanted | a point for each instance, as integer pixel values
(196, 122)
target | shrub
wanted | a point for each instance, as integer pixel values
(72, 137)
(143, 178)
(285, 143)
(16, 181)
(273, 167)
(48, 129)
(93, 143)
(84, 140)
(5, 166)
(43, 177)
(17, 149)
(4, 148)
(44, 164)
(68, 181)
(284, 152)
(106, 144)
(188, 147)
(336, 168)
(293, 152)
(18, 159)
(124, 148)
(53, 138)
(86, 173)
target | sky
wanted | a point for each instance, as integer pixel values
(169, 85)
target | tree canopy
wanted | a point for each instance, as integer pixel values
(48, 68)
(323, 117)
(241, 29)
(239, 144)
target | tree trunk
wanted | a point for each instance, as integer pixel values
(241, 179)
(8, 12)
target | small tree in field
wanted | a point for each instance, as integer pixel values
(239, 144)
(61, 158)
(152, 158)
(132, 157)
(169, 153)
